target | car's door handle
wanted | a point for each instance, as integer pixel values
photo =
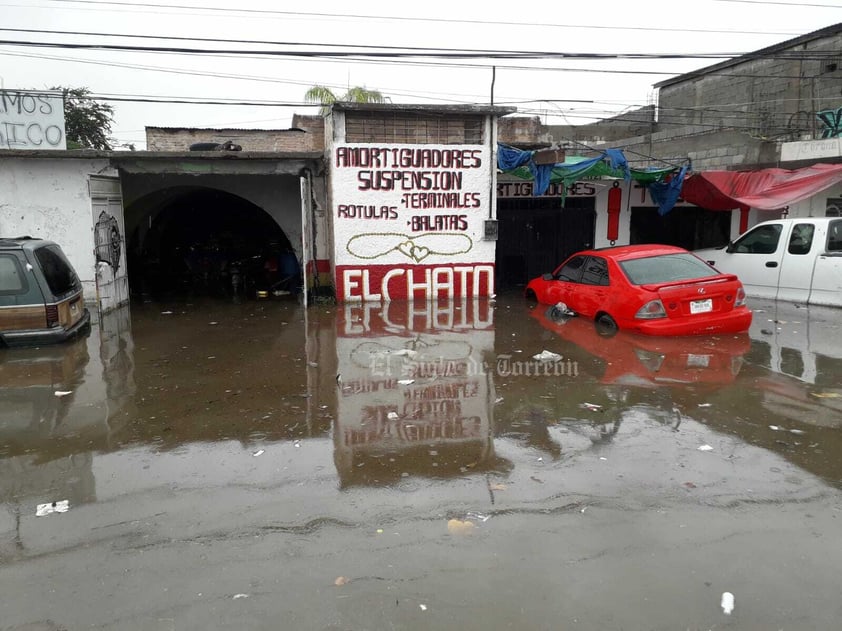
(772, 264)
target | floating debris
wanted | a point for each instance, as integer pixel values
(545, 356)
(63, 393)
(727, 603)
(406, 382)
(259, 452)
(705, 448)
(459, 527)
(52, 507)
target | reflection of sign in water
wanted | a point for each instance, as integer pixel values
(410, 388)
(108, 241)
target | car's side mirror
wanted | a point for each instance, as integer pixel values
(730, 247)
(547, 277)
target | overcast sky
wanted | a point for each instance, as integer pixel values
(558, 90)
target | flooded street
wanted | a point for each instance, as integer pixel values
(259, 466)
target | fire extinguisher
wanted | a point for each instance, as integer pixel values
(615, 199)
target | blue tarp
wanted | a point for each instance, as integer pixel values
(611, 163)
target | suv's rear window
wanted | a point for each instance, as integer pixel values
(12, 280)
(666, 268)
(57, 270)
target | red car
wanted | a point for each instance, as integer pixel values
(650, 289)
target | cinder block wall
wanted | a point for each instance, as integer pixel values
(769, 97)
(284, 140)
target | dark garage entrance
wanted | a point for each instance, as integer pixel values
(687, 227)
(536, 234)
(203, 241)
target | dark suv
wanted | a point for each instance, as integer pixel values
(40, 294)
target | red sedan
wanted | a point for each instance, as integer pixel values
(650, 289)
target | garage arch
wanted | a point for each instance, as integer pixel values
(190, 238)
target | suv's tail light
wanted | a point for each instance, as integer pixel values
(52, 315)
(741, 298)
(651, 310)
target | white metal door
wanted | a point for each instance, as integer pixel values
(756, 258)
(827, 274)
(805, 240)
(112, 281)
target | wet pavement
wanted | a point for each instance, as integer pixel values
(259, 466)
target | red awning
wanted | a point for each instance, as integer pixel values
(765, 189)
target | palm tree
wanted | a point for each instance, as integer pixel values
(326, 96)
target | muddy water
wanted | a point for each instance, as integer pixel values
(257, 466)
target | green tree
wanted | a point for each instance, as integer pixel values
(327, 97)
(87, 122)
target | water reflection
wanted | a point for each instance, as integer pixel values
(58, 404)
(416, 396)
(652, 361)
(401, 390)
(799, 341)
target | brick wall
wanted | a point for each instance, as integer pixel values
(283, 140)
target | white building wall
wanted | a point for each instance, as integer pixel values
(401, 230)
(49, 199)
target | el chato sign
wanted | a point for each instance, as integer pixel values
(32, 120)
(408, 222)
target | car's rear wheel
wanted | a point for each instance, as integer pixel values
(606, 326)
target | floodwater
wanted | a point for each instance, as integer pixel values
(256, 466)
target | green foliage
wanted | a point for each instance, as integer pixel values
(326, 96)
(87, 123)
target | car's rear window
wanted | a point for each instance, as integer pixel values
(666, 268)
(12, 280)
(57, 270)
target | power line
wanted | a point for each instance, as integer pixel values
(345, 16)
(782, 4)
(413, 51)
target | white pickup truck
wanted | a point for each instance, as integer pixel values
(797, 259)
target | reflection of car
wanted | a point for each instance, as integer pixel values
(651, 289)
(40, 294)
(639, 360)
(29, 378)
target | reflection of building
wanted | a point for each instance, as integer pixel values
(415, 395)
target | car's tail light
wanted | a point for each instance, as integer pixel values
(741, 298)
(52, 315)
(651, 310)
